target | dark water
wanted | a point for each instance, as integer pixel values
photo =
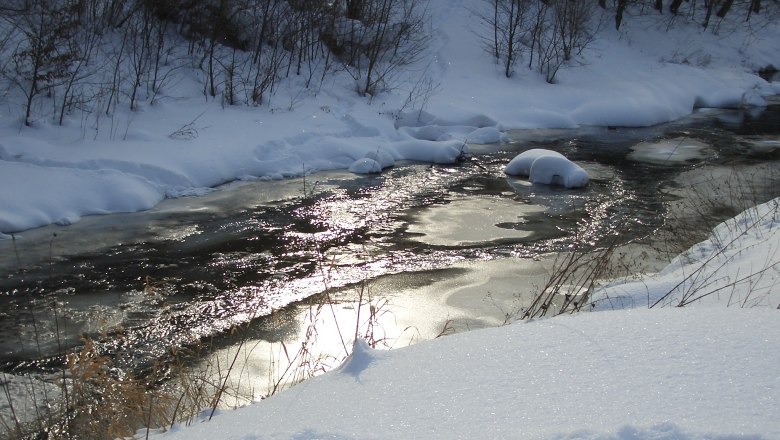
(190, 270)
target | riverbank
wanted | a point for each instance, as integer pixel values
(642, 374)
(613, 375)
(185, 145)
(701, 370)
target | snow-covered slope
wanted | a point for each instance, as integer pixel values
(626, 374)
(636, 375)
(738, 265)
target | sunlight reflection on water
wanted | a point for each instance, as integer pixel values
(192, 269)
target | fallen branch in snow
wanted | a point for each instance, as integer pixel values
(187, 131)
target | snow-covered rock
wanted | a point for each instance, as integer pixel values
(552, 170)
(365, 166)
(521, 164)
(433, 152)
(547, 167)
(485, 135)
(382, 157)
(373, 162)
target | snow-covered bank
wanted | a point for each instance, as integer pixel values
(739, 265)
(673, 374)
(184, 145)
(632, 373)
(641, 374)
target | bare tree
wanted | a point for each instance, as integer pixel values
(720, 8)
(547, 42)
(507, 23)
(573, 22)
(376, 38)
(139, 35)
(81, 45)
(559, 30)
(6, 39)
(42, 56)
(117, 58)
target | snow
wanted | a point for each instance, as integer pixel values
(559, 171)
(366, 166)
(183, 144)
(706, 371)
(547, 167)
(381, 157)
(639, 374)
(621, 372)
(738, 265)
(520, 165)
(63, 195)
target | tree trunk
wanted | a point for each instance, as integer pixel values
(725, 8)
(355, 9)
(755, 6)
(621, 7)
(675, 6)
(710, 7)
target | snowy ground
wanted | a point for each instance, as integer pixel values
(705, 371)
(691, 373)
(667, 374)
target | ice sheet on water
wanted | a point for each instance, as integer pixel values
(670, 151)
(26, 399)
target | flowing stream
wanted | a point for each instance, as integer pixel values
(432, 248)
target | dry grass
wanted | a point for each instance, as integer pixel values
(97, 401)
(94, 402)
(699, 200)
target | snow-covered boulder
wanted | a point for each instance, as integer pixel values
(547, 167)
(365, 165)
(384, 158)
(521, 164)
(485, 135)
(447, 152)
(553, 170)
(373, 162)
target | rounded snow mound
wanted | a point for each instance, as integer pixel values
(547, 167)
(521, 164)
(365, 165)
(670, 151)
(382, 157)
(373, 162)
(485, 135)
